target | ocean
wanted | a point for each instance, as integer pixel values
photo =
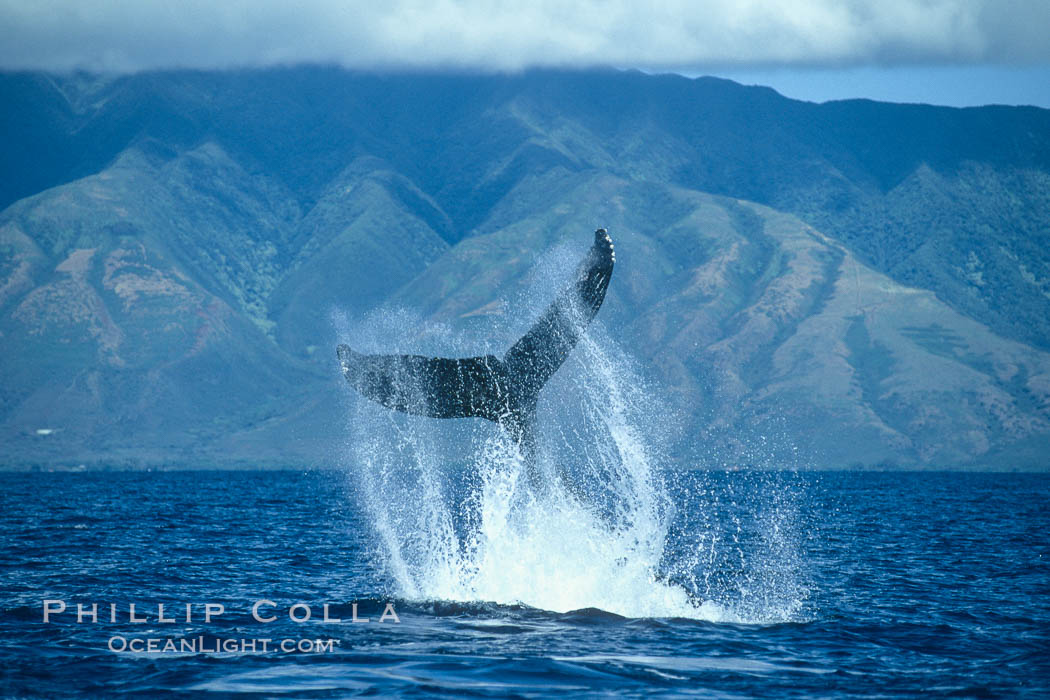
(762, 584)
(433, 559)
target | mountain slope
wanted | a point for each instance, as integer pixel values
(869, 174)
(123, 335)
(780, 346)
(809, 284)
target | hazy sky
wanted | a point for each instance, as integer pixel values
(940, 51)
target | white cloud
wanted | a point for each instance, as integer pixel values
(512, 34)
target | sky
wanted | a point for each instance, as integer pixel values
(955, 52)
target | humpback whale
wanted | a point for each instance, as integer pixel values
(503, 390)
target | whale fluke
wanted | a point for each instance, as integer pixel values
(505, 390)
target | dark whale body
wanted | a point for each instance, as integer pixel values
(503, 390)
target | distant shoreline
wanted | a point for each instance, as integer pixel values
(264, 466)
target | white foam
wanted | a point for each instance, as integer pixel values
(598, 545)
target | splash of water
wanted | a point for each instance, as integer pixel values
(455, 518)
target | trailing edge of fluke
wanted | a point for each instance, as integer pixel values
(504, 390)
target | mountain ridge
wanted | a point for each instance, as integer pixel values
(221, 221)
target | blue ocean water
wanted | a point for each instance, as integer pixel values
(812, 584)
